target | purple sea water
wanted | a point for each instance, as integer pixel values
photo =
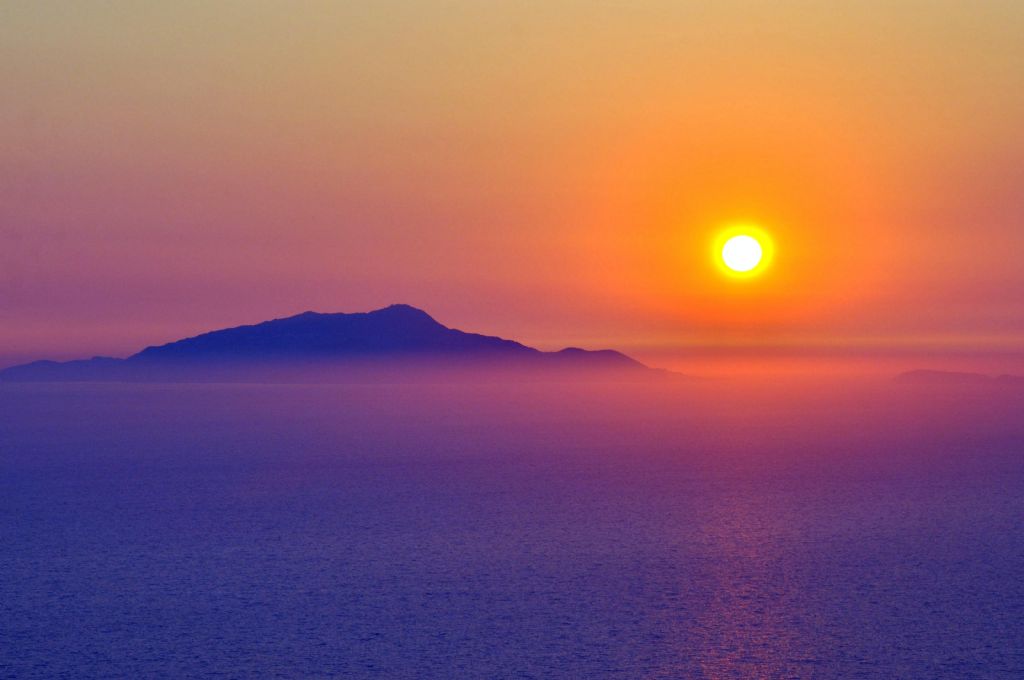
(702, 530)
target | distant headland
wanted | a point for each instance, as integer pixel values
(933, 377)
(396, 342)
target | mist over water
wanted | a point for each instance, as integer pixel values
(710, 529)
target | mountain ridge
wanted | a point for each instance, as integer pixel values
(386, 340)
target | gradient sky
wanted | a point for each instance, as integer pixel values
(551, 171)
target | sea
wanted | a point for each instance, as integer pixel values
(730, 528)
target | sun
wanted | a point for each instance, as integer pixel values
(742, 253)
(743, 250)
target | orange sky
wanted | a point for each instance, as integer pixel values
(549, 171)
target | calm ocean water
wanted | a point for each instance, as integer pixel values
(709, 530)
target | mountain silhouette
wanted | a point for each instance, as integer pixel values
(321, 347)
(933, 377)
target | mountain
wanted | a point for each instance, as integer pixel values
(394, 342)
(931, 377)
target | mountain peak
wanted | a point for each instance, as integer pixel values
(400, 307)
(404, 311)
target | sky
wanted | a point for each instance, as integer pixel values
(550, 171)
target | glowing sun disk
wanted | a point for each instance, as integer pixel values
(742, 253)
(743, 250)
